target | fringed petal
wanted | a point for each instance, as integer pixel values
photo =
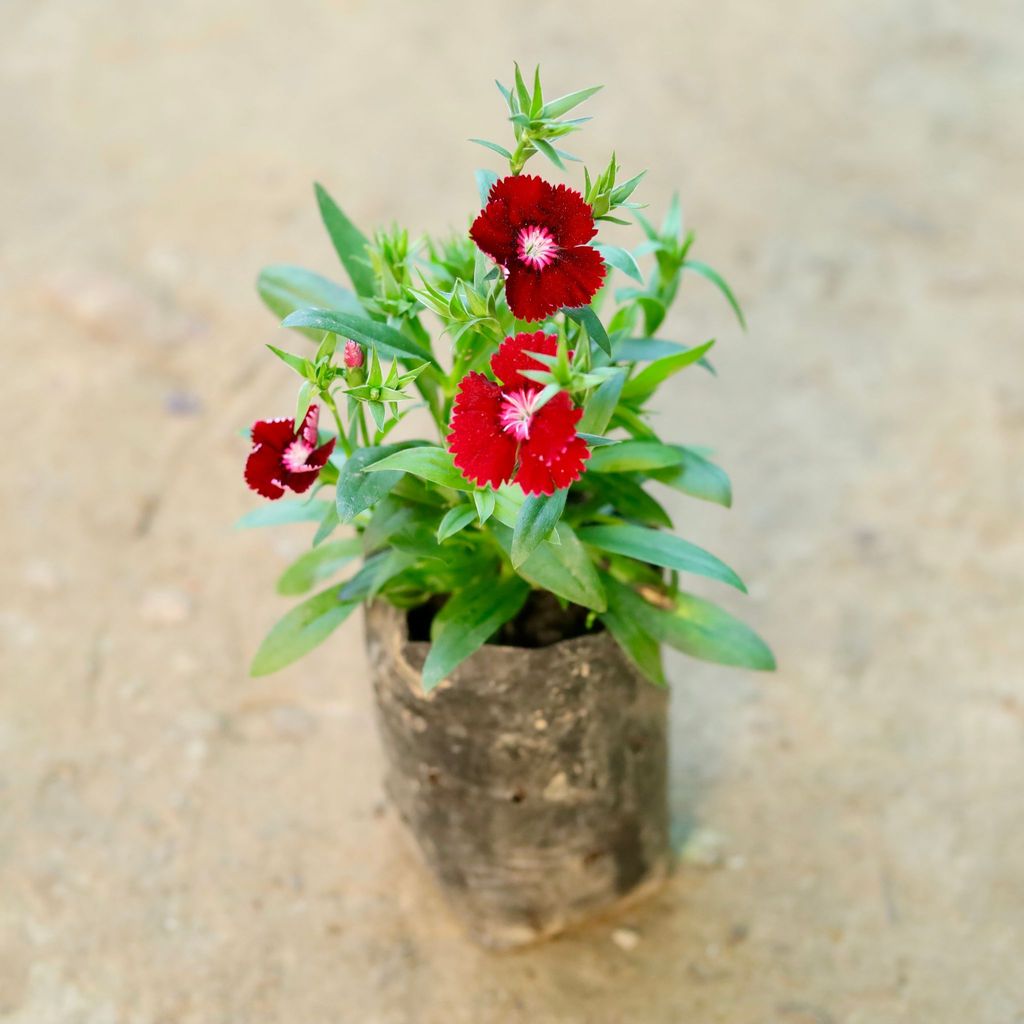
(482, 450)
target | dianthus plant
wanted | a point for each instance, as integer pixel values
(541, 459)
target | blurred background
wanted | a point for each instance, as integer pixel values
(181, 843)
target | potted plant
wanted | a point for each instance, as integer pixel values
(519, 577)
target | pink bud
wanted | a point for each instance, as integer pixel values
(353, 355)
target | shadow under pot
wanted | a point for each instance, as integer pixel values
(533, 780)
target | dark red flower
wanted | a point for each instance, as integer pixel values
(282, 457)
(497, 433)
(537, 232)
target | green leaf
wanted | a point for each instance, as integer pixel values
(299, 364)
(485, 502)
(508, 500)
(589, 319)
(640, 647)
(386, 340)
(428, 463)
(565, 569)
(484, 182)
(321, 563)
(537, 518)
(630, 500)
(621, 259)
(302, 629)
(697, 477)
(639, 350)
(500, 150)
(549, 151)
(304, 400)
(377, 571)
(562, 105)
(719, 282)
(359, 490)
(455, 519)
(468, 620)
(522, 94)
(646, 382)
(599, 408)
(672, 226)
(657, 548)
(537, 102)
(695, 627)
(632, 456)
(328, 524)
(279, 512)
(284, 289)
(349, 243)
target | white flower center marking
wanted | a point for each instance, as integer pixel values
(517, 412)
(536, 246)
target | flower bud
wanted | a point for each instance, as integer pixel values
(353, 355)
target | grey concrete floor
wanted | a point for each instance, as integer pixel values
(179, 843)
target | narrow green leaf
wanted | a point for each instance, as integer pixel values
(621, 259)
(629, 500)
(302, 629)
(646, 382)
(304, 400)
(328, 524)
(485, 502)
(537, 100)
(589, 319)
(376, 572)
(454, 520)
(562, 105)
(640, 647)
(719, 282)
(500, 150)
(386, 340)
(278, 513)
(658, 548)
(285, 289)
(312, 567)
(549, 151)
(468, 620)
(698, 477)
(633, 456)
(695, 627)
(565, 569)
(349, 243)
(522, 93)
(672, 226)
(537, 518)
(299, 364)
(640, 350)
(597, 413)
(622, 192)
(428, 463)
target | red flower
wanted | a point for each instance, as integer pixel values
(498, 435)
(282, 458)
(537, 231)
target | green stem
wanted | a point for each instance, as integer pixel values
(328, 400)
(522, 153)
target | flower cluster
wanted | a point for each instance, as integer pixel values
(541, 460)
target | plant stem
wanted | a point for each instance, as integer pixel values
(328, 400)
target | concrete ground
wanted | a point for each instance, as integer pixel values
(180, 844)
